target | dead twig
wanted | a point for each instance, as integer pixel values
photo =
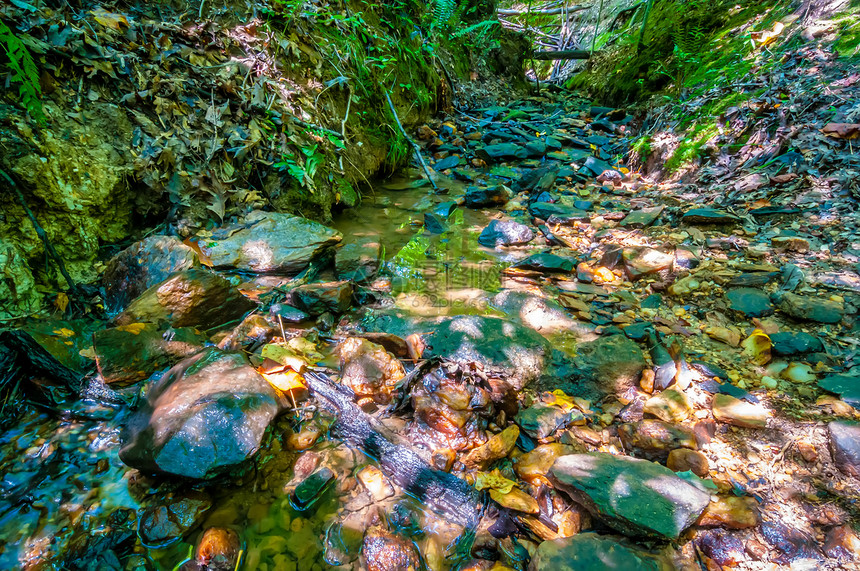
(415, 146)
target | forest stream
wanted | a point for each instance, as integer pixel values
(539, 360)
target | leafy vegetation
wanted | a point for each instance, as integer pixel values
(23, 71)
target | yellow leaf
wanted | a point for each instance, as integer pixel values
(110, 19)
(757, 347)
(62, 302)
(285, 381)
(64, 332)
(133, 328)
(285, 356)
(494, 481)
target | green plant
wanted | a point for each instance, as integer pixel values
(443, 10)
(23, 71)
(302, 167)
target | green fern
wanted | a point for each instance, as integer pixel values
(24, 71)
(689, 29)
(482, 28)
(443, 10)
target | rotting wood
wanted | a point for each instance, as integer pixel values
(444, 493)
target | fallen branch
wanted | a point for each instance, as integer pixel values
(548, 11)
(444, 493)
(566, 54)
(49, 248)
(409, 140)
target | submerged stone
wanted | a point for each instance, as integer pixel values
(317, 298)
(477, 196)
(794, 342)
(206, 415)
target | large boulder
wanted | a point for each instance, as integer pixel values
(592, 552)
(271, 243)
(190, 298)
(206, 415)
(516, 351)
(141, 266)
(636, 497)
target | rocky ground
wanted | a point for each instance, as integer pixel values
(541, 360)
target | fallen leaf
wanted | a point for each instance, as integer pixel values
(757, 346)
(110, 19)
(494, 481)
(842, 130)
(62, 302)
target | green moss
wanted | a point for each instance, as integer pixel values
(848, 42)
(690, 148)
(642, 147)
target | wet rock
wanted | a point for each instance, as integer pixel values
(536, 148)
(533, 465)
(607, 365)
(206, 415)
(640, 262)
(708, 216)
(842, 544)
(721, 547)
(501, 152)
(732, 512)
(517, 500)
(477, 197)
(684, 460)
(845, 446)
(790, 243)
(449, 162)
(288, 313)
(642, 218)
(749, 301)
(597, 166)
(543, 315)
(728, 409)
(270, 243)
(167, 520)
(514, 349)
(384, 551)
(497, 447)
(319, 298)
(654, 439)
(141, 266)
(218, 549)
(655, 502)
(505, 233)
(563, 212)
(545, 262)
(131, 353)
(540, 421)
(791, 543)
(593, 552)
(190, 298)
(368, 369)
(795, 342)
(358, 261)
(846, 386)
(811, 308)
(639, 331)
(669, 406)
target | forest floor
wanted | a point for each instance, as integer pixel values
(619, 368)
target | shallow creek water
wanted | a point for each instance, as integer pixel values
(66, 496)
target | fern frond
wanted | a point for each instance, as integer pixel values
(24, 71)
(442, 12)
(480, 27)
